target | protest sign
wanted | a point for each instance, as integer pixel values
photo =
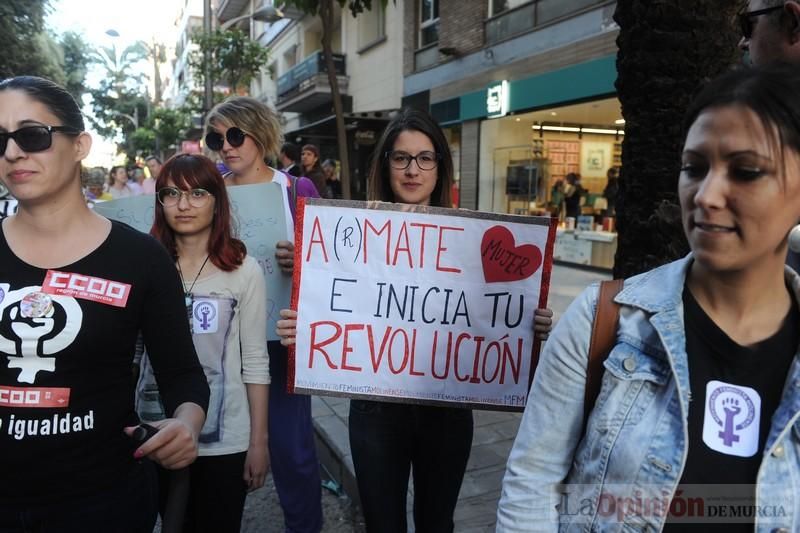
(8, 206)
(417, 304)
(259, 215)
(135, 211)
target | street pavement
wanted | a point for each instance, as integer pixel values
(492, 441)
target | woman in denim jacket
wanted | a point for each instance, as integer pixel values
(660, 444)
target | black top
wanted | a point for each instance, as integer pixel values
(67, 338)
(294, 170)
(734, 392)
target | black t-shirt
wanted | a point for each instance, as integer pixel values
(67, 339)
(734, 392)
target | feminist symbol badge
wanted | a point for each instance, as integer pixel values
(731, 419)
(204, 316)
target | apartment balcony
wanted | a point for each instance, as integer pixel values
(231, 8)
(305, 86)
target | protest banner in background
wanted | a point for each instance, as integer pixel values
(417, 304)
(8, 206)
(135, 211)
(260, 218)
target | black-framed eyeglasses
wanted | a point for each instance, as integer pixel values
(171, 196)
(400, 160)
(746, 23)
(34, 138)
(234, 135)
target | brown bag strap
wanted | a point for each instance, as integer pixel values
(604, 332)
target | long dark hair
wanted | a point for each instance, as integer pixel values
(408, 119)
(192, 171)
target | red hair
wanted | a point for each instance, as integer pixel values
(191, 171)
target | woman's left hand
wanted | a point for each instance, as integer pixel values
(284, 251)
(542, 323)
(256, 466)
(174, 446)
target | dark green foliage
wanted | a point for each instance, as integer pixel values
(21, 22)
(235, 59)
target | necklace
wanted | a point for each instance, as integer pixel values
(188, 293)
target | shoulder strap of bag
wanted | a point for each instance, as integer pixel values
(604, 332)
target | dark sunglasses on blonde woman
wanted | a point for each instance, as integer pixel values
(34, 138)
(215, 140)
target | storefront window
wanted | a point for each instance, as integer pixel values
(530, 163)
(453, 136)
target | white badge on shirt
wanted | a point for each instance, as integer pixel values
(731, 419)
(204, 316)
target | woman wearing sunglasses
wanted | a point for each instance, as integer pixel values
(225, 298)
(75, 290)
(246, 133)
(412, 165)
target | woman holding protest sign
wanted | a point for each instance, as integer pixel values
(226, 303)
(412, 165)
(246, 133)
(699, 394)
(75, 291)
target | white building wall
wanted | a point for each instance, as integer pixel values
(176, 91)
(376, 73)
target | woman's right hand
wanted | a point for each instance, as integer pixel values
(173, 447)
(287, 326)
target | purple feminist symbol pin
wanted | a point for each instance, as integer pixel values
(204, 312)
(731, 401)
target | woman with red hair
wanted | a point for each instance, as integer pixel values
(226, 302)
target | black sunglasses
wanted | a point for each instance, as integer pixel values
(746, 19)
(34, 138)
(215, 140)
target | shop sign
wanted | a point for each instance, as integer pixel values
(365, 137)
(497, 98)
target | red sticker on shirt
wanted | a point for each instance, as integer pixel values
(33, 396)
(86, 287)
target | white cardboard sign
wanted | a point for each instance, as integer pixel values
(417, 304)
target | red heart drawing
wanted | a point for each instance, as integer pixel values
(503, 260)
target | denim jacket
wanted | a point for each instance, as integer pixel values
(634, 448)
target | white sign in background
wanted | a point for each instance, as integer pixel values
(259, 215)
(413, 306)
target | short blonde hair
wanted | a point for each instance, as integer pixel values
(254, 118)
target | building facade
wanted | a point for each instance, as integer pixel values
(368, 60)
(525, 91)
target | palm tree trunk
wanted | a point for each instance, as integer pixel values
(667, 48)
(326, 14)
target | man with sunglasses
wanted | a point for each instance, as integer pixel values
(771, 31)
